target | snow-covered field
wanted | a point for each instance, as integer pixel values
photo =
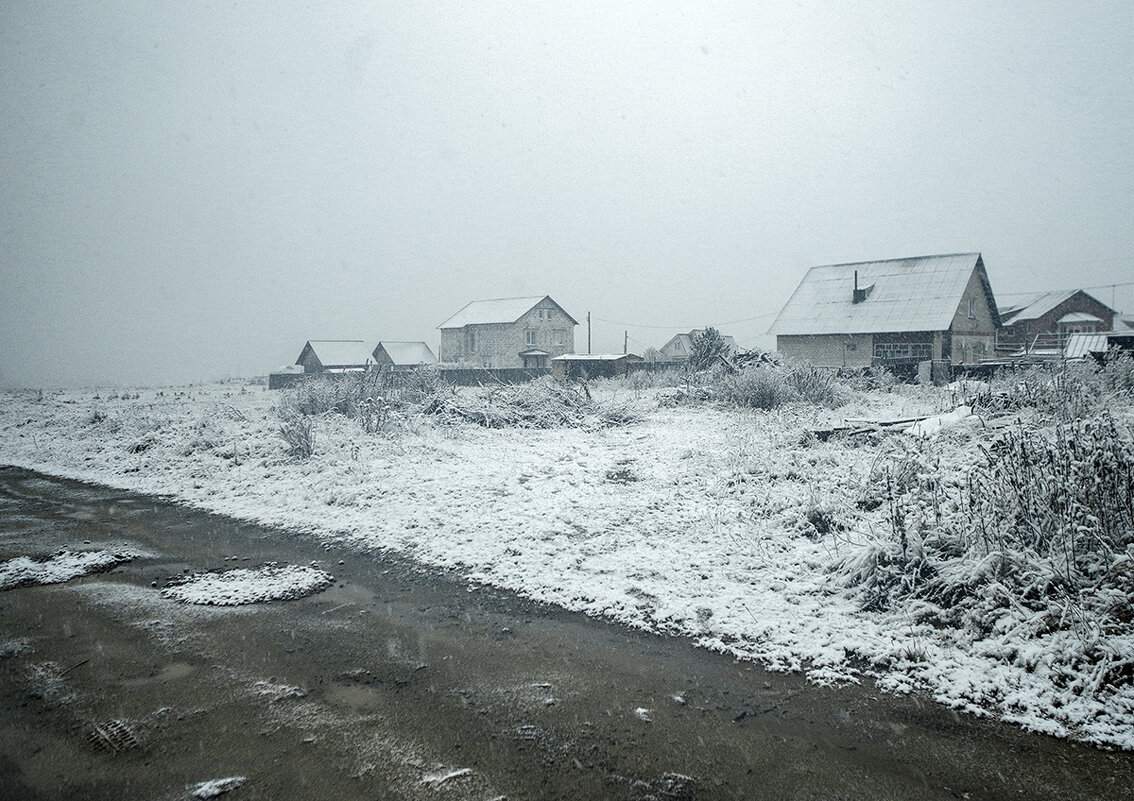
(732, 527)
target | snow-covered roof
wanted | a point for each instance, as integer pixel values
(1079, 345)
(407, 353)
(686, 339)
(1079, 317)
(912, 294)
(1032, 307)
(339, 352)
(500, 310)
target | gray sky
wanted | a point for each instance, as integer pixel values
(192, 190)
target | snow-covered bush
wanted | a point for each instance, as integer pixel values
(543, 403)
(1028, 558)
(762, 386)
(298, 434)
(1064, 495)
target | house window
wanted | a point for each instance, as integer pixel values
(972, 308)
(529, 336)
(558, 337)
(903, 350)
(470, 340)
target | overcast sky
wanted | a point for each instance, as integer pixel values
(190, 191)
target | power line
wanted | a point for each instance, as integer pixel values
(1096, 286)
(673, 327)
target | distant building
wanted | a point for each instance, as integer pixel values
(1044, 321)
(681, 345)
(885, 312)
(403, 355)
(507, 333)
(335, 355)
(592, 365)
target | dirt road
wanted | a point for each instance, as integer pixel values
(395, 683)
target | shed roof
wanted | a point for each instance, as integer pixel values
(407, 353)
(596, 357)
(912, 294)
(339, 352)
(500, 310)
(1079, 345)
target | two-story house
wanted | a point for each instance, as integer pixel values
(507, 332)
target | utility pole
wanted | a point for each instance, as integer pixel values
(588, 333)
(625, 342)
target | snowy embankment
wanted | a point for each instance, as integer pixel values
(730, 527)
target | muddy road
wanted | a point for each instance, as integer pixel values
(396, 683)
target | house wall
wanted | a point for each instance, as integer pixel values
(498, 345)
(828, 350)
(971, 338)
(677, 349)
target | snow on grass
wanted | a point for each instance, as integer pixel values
(58, 568)
(733, 528)
(270, 582)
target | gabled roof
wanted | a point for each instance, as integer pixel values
(913, 294)
(501, 310)
(687, 340)
(338, 352)
(406, 353)
(1032, 307)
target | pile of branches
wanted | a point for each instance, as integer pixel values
(544, 403)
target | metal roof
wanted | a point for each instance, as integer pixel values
(1079, 345)
(501, 310)
(1032, 307)
(595, 357)
(407, 353)
(339, 352)
(913, 294)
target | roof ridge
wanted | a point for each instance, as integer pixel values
(901, 258)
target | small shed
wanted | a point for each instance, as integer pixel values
(403, 355)
(592, 365)
(335, 355)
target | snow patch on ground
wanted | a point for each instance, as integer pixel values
(216, 787)
(56, 569)
(270, 582)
